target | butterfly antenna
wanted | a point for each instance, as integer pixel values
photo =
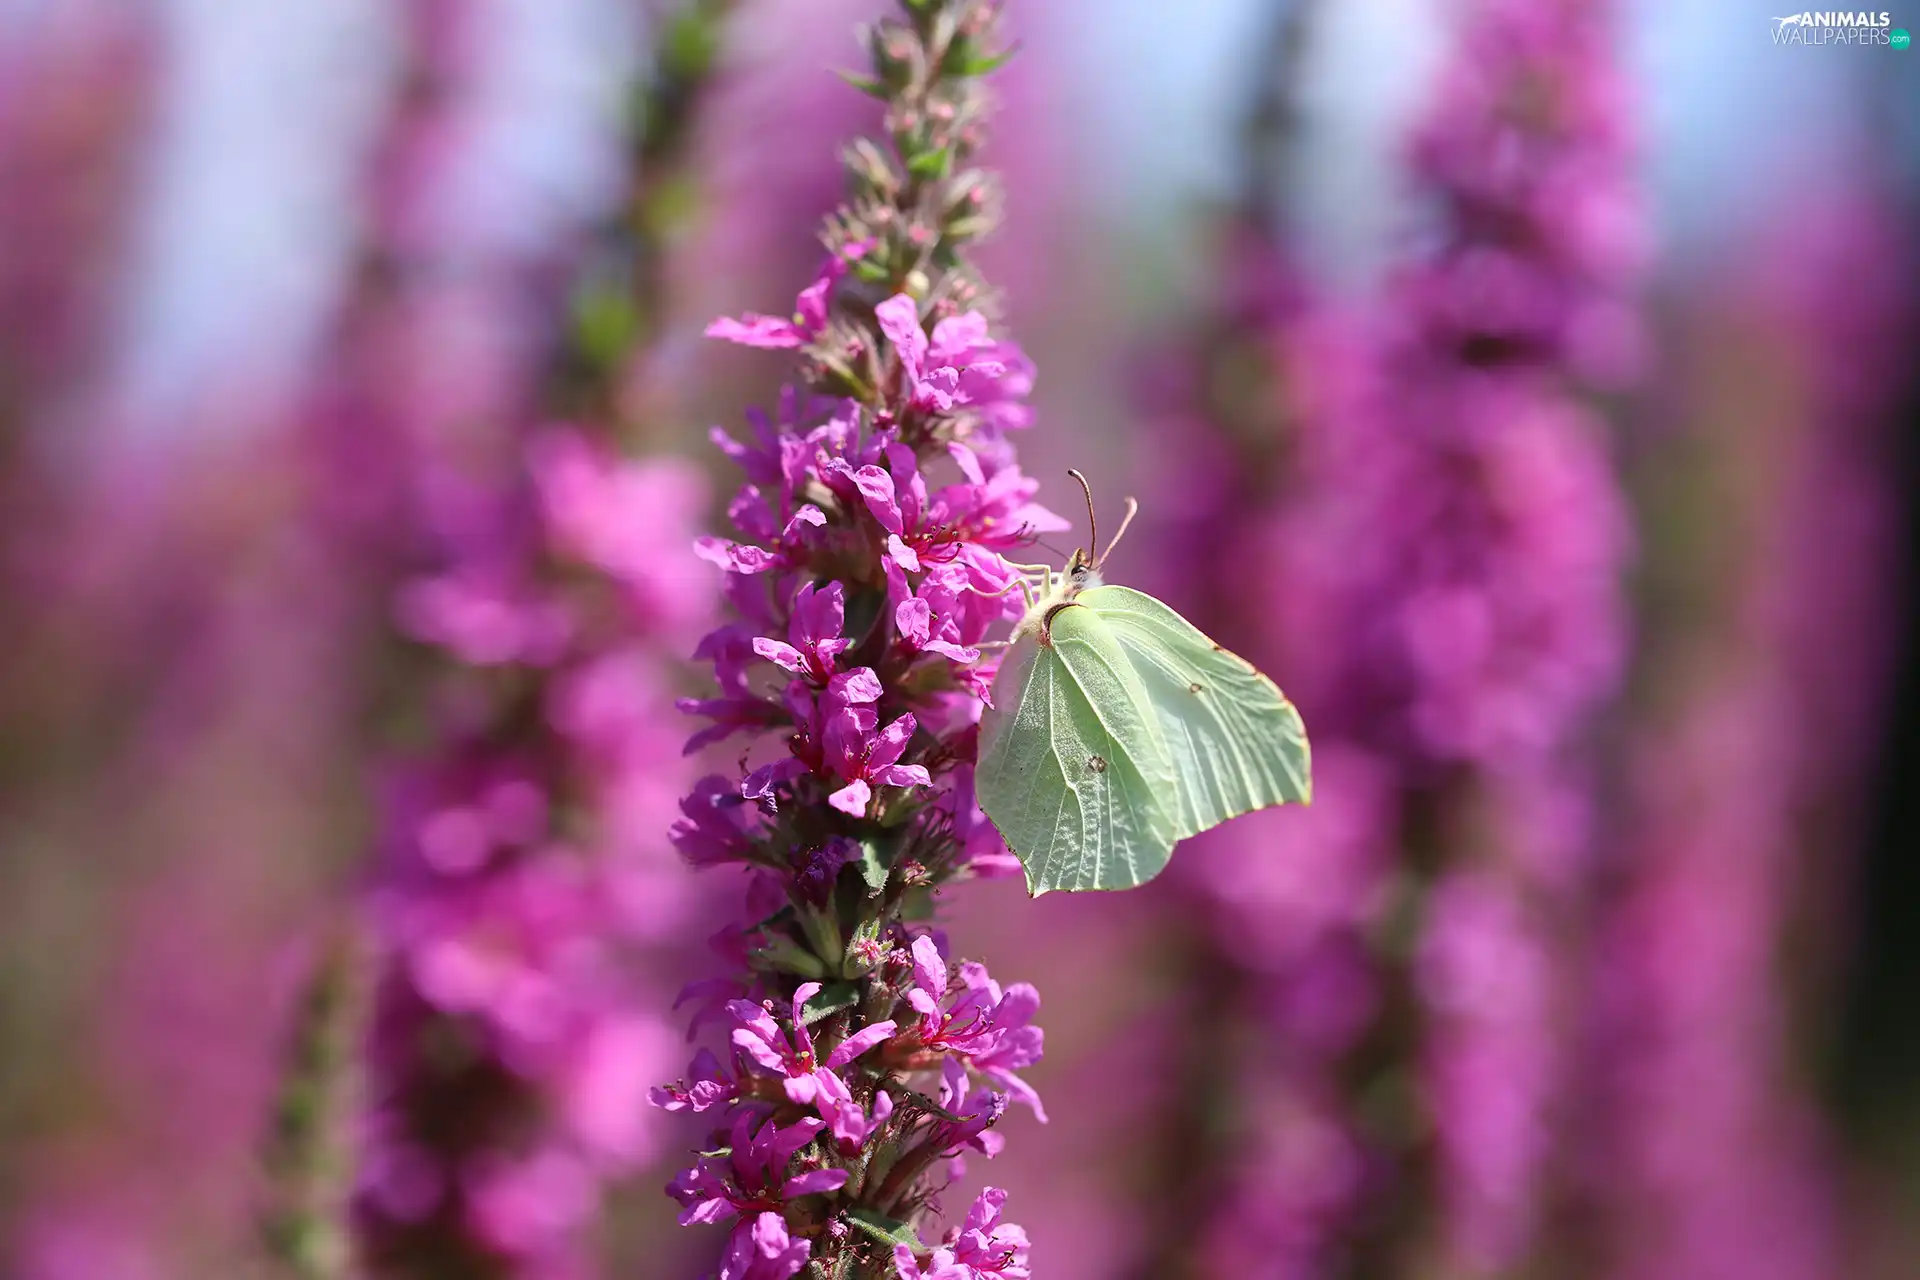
(1093, 525)
(1133, 509)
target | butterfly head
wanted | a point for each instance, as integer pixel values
(1082, 573)
(1083, 570)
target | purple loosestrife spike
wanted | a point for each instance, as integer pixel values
(1762, 707)
(1253, 402)
(1439, 540)
(521, 860)
(501, 928)
(865, 589)
(1512, 635)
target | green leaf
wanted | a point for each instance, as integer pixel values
(865, 84)
(930, 164)
(822, 927)
(873, 864)
(779, 954)
(888, 1231)
(829, 1000)
(968, 61)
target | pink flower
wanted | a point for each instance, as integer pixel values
(981, 1023)
(978, 1110)
(791, 1055)
(625, 519)
(712, 1086)
(764, 1251)
(984, 1248)
(851, 1125)
(923, 630)
(808, 322)
(988, 508)
(813, 636)
(839, 742)
(959, 365)
(753, 1176)
(746, 558)
(873, 593)
(716, 824)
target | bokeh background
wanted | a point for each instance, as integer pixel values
(1618, 982)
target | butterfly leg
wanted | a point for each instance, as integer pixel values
(1028, 590)
(1028, 593)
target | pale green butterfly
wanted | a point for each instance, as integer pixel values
(1118, 729)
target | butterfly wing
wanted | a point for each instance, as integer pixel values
(1235, 742)
(1073, 768)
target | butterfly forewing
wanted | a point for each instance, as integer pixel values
(1236, 744)
(1074, 769)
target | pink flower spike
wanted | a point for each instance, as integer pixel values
(866, 568)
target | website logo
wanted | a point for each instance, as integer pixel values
(1839, 26)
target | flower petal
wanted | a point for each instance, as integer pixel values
(914, 621)
(929, 968)
(852, 799)
(759, 1050)
(892, 740)
(858, 686)
(782, 654)
(876, 486)
(901, 775)
(899, 318)
(902, 554)
(855, 1045)
(819, 1180)
(769, 333)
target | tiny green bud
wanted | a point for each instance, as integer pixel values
(779, 954)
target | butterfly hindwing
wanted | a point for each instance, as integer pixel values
(1073, 768)
(1236, 743)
